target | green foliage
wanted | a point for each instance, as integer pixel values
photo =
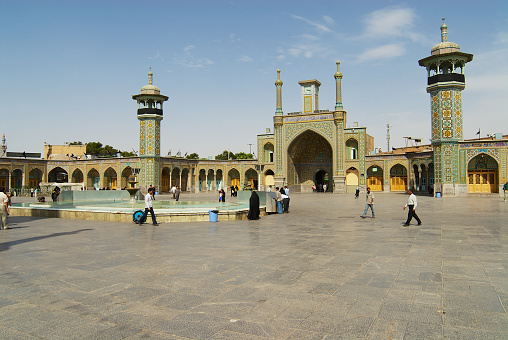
(224, 155)
(76, 143)
(96, 149)
(243, 155)
(192, 156)
(127, 154)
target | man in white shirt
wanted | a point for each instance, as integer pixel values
(149, 208)
(4, 208)
(411, 204)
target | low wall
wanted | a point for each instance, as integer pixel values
(117, 216)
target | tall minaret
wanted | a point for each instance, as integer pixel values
(3, 147)
(278, 131)
(445, 82)
(150, 115)
(338, 88)
(339, 119)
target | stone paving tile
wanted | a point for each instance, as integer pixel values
(320, 272)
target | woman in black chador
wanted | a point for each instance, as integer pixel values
(253, 206)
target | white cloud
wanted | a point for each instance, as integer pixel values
(382, 52)
(328, 20)
(389, 22)
(189, 60)
(245, 59)
(156, 56)
(502, 38)
(492, 82)
(319, 27)
(233, 38)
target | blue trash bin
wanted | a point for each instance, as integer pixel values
(213, 214)
(438, 194)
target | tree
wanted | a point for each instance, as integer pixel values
(76, 143)
(94, 148)
(192, 156)
(224, 155)
(127, 154)
(243, 155)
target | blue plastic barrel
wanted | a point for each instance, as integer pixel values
(214, 215)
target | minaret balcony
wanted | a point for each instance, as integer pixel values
(150, 111)
(447, 77)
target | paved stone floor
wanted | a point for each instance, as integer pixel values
(319, 272)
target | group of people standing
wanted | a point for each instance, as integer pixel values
(411, 205)
(282, 199)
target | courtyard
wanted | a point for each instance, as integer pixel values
(319, 272)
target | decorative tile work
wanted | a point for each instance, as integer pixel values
(339, 145)
(141, 137)
(322, 127)
(494, 153)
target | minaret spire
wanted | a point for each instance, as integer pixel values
(150, 77)
(278, 85)
(444, 32)
(338, 88)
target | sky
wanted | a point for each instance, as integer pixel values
(68, 69)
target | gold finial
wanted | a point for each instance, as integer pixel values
(278, 82)
(338, 74)
(150, 77)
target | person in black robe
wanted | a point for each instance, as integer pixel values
(253, 206)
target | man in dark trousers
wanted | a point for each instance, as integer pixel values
(149, 208)
(411, 205)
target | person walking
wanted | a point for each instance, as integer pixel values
(411, 205)
(4, 209)
(505, 190)
(149, 208)
(369, 200)
(177, 193)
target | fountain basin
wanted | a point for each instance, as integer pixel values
(121, 211)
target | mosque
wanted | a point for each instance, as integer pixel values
(313, 147)
(309, 148)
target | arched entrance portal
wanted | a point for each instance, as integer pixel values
(58, 175)
(352, 179)
(165, 179)
(110, 180)
(482, 174)
(251, 179)
(202, 179)
(234, 178)
(93, 180)
(398, 178)
(125, 176)
(322, 182)
(269, 178)
(218, 180)
(77, 176)
(17, 179)
(35, 178)
(310, 161)
(375, 178)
